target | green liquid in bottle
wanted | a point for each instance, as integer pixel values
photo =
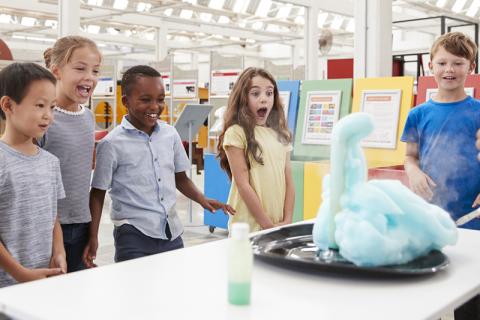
(239, 293)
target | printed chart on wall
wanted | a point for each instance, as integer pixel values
(285, 99)
(384, 107)
(185, 88)
(166, 76)
(322, 112)
(431, 92)
(222, 82)
(104, 87)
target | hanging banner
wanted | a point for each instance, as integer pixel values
(384, 107)
(322, 112)
(222, 82)
(185, 88)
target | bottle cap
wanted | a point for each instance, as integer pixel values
(240, 230)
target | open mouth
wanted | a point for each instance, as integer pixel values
(84, 91)
(43, 126)
(449, 78)
(152, 115)
(262, 112)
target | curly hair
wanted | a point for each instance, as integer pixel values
(239, 113)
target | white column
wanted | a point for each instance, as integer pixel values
(194, 60)
(68, 17)
(311, 43)
(373, 38)
(161, 47)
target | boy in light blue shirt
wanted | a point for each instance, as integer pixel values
(142, 162)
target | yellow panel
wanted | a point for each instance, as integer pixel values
(386, 157)
(121, 109)
(202, 137)
(203, 93)
(312, 183)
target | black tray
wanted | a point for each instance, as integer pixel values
(293, 247)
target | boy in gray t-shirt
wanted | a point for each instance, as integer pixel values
(31, 245)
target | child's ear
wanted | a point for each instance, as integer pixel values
(56, 72)
(430, 65)
(6, 105)
(472, 67)
(125, 101)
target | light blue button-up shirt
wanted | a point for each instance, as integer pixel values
(139, 172)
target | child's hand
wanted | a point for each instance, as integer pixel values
(476, 203)
(422, 184)
(58, 262)
(213, 205)
(35, 274)
(90, 252)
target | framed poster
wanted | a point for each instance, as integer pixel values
(186, 88)
(222, 82)
(166, 78)
(384, 107)
(322, 112)
(285, 99)
(433, 91)
(104, 87)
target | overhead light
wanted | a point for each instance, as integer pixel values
(194, 2)
(168, 12)
(223, 19)
(273, 27)
(472, 11)
(337, 22)
(241, 6)
(299, 20)
(458, 6)
(51, 23)
(95, 2)
(205, 16)
(284, 11)
(128, 33)
(322, 18)
(5, 18)
(257, 25)
(263, 8)
(351, 25)
(142, 6)
(441, 3)
(235, 38)
(186, 14)
(34, 38)
(216, 4)
(113, 31)
(120, 4)
(250, 41)
(28, 21)
(150, 36)
(93, 28)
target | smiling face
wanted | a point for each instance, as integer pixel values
(145, 102)
(260, 99)
(78, 77)
(450, 71)
(32, 116)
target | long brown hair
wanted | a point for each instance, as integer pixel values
(239, 113)
(63, 49)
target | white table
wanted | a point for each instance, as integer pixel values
(191, 284)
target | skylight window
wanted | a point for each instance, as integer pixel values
(186, 14)
(5, 18)
(322, 18)
(28, 21)
(216, 4)
(120, 4)
(263, 8)
(142, 6)
(458, 6)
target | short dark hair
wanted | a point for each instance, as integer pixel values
(16, 78)
(131, 75)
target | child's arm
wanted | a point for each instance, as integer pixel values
(289, 193)
(420, 182)
(19, 272)
(58, 259)
(97, 197)
(238, 166)
(187, 188)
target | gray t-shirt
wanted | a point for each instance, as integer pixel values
(30, 187)
(71, 138)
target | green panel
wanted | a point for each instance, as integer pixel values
(309, 152)
(297, 173)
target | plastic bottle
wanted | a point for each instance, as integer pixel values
(240, 264)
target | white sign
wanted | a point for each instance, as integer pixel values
(431, 92)
(222, 82)
(384, 107)
(322, 112)
(105, 87)
(285, 100)
(186, 88)
(166, 79)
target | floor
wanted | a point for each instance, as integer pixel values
(195, 231)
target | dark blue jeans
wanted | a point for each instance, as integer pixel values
(75, 238)
(131, 243)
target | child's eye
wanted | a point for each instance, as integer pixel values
(255, 93)
(96, 72)
(80, 69)
(52, 106)
(442, 63)
(40, 105)
(269, 93)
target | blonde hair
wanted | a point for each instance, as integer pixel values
(457, 44)
(63, 49)
(239, 113)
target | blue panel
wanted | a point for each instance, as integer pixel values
(217, 186)
(294, 87)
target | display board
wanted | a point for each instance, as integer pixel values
(290, 91)
(426, 86)
(322, 103)
(222, 82)
(386, 149)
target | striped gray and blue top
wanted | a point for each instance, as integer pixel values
(30, 187)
